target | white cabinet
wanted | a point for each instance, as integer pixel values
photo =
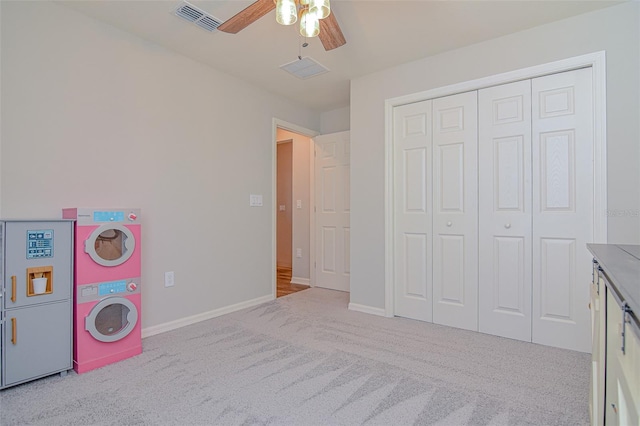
(615, 303)
(622, 405)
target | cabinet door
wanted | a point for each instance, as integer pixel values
(455, 211)
(36, 341)
(622, 405)
(504, 171)
(598, 330)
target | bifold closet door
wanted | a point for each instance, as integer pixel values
(455, 210)
(562, 148)
(505, 203)
(412, 210)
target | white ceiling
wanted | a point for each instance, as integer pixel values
(380, 34)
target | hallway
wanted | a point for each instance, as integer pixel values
(284, 286)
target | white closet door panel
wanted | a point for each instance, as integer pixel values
(563, 206)
(504, 179)
(455, 211)
(412, 211)
(332, 211)
(451, 270)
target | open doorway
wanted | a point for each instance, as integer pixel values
(293, 210)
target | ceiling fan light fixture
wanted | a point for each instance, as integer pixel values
(320, 8)
(286, 12)
(309, 24)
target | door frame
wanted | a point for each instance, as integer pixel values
(596, 61)
(285, 125)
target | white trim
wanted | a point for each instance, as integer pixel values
(183, 322)
(300, 281)
(389, 300)
(367, 309)
(599, 76)
(277, 123)
(596, 61)
(312, 212)
(294, 128)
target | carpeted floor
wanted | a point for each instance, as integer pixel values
(304, 359)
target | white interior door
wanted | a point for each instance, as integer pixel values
(563, 208)
(455, 211)
(332, 197)
(504, 179)
(412, 211)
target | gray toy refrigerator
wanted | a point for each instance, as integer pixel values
(36, 309)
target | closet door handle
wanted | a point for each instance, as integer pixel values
(449, 224)
(14, 290)
(14, 331)
(507, 225)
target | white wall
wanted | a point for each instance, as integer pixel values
(336, 120)
(96, 117)
(301, 191)
(614, 29)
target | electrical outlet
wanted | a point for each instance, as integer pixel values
(298, 252)
(169, 279)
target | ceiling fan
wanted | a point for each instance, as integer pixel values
(330, 33)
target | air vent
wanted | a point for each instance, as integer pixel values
(304, 68)
(202, 19)
(208, 23)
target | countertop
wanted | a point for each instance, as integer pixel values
(621, 265)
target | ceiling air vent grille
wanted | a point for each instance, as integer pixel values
(208, 23)
(304, 68)
(200, 18)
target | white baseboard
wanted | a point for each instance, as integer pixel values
(301, 281)
(182, 322)
(366, 309)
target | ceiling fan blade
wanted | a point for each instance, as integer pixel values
(330, 33)
(247, 16)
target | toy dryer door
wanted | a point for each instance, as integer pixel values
(110, 244)
(111, 319)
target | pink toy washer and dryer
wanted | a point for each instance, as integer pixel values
(107, 272)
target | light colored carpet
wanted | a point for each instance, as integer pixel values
(305, 359)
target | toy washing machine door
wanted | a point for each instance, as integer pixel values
(110, 244)
(112, 319)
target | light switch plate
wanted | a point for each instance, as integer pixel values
(299, 204)
(255, 200)
(169, 279)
